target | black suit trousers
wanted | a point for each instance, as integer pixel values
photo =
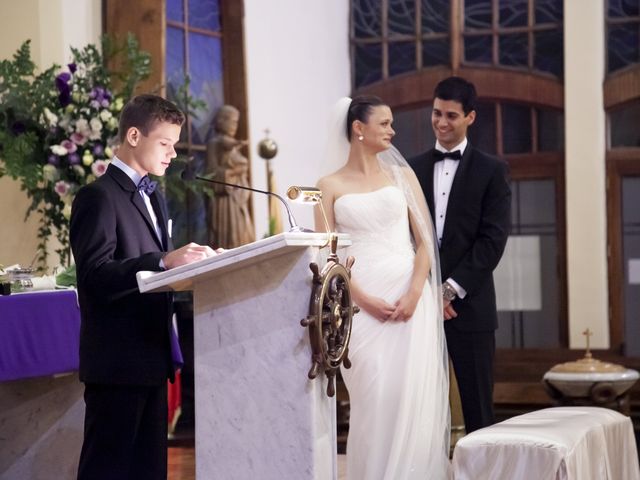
(472, 355)
(125, 433)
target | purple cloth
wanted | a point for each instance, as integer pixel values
(39, 334)
(176, 352)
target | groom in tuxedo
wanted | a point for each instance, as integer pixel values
(119, 227)
(469, 198)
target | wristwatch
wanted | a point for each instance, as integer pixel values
(448, 292)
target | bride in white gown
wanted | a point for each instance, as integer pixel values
(398, 383)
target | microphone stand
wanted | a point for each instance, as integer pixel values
(292, 223)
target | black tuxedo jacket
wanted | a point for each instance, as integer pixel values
(475, 232)
(124, 335)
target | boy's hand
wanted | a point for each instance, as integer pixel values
(190, 253)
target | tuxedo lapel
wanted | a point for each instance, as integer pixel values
(428, 178)
(162, 219)
(127, 185)
(456, 195)
(423, 167)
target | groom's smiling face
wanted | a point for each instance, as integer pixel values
(449, 122)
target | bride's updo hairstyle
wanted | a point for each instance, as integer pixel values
(360, 109)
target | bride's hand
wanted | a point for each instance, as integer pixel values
(377, 308)
(405, 306)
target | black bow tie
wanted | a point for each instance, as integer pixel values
(147, 185)
(455, 155)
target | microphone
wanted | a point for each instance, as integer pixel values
(189, 175)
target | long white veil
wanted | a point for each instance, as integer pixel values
(430, 383)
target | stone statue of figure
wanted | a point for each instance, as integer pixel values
(229, 221)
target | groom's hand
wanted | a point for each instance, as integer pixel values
(448, 312)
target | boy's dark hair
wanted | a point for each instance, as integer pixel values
(143, 111)
(459, 90)
(360, 109)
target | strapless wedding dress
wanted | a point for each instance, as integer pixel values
(394, 413)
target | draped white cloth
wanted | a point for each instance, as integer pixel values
(398, 382)
(562, 443)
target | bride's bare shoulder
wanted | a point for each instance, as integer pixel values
(331, 181)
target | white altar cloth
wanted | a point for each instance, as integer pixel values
(561, 443)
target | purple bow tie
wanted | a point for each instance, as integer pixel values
(147, 185)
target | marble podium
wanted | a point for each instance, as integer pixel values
(257, 413)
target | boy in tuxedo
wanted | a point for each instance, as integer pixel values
(119, 227)
(469, 198)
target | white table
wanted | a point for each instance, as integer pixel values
(561, 443)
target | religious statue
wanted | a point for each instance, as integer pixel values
(229, 221)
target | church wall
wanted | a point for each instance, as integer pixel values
(52, 26)
(297, 55)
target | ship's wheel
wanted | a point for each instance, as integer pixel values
(331, 311)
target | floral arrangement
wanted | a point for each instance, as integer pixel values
(58, 128)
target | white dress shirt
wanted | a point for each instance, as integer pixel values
(135, 178)
(444, 171)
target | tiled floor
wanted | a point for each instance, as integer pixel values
(181, 465)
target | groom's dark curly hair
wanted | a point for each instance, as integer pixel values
(360, 109)
(459, 90)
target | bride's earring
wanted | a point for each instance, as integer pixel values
(360, 137)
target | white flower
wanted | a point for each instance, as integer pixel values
(105, 115)
(108, 152)
(79, 171)
(65, 123)
(112, 123)
(66, 211)
(51, 119)
(96, 124)
(82, 127)
(50, 173)
(91, 177)
(58, 150)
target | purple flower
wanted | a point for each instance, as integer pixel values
(74, 159)
(62, 84)
(98, 150)
(72, 67)
(53, 160)
(18, 128)
(62, 79)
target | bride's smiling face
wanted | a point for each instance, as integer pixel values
(377, 131)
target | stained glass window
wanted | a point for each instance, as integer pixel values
(393, 37)
(522, 32)
(623, 37)
(193, 48)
